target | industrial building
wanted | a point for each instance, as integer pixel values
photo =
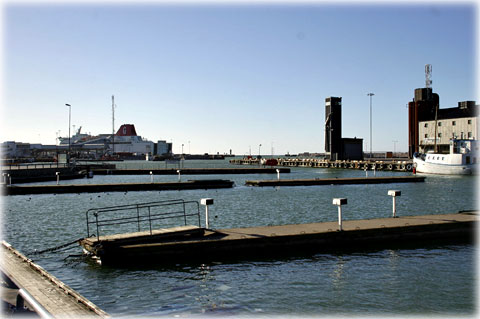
(336, 147)
(430, 127)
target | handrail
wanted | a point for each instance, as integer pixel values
(140, 214)
(32, 166)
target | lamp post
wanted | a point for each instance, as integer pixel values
(69, 120)
(370, 95)
(394, 147)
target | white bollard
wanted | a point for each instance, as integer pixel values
(206, 202)
(9, 179)
(394, 193)
(339, 202)
(151, 177)
(366, 172)
(58, 177)
(278, 174)
(179, 176)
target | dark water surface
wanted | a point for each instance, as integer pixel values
(428, 280)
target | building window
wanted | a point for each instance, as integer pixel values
(426, 135)
(469, 134)
(469, 121)
(439, 134)
(454, 123)
(426, 125)
(439, 123)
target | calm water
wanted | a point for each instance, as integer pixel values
(425, 281)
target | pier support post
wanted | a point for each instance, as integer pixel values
(206, 202)
(339, 202)
(394, 193)
(58, 177)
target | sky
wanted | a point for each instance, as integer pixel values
(218, 77)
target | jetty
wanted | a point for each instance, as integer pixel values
(40, 291)
(190, 171)
(191, 242)
(336, 181)
(121, 187)
(378, 165)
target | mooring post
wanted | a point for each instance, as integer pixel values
(366, 171)
(9, 179)
(179, 176)
(394, 193)
(58, 177)
(278, 174)
(151, 177)
(339, 202)
(206, 202)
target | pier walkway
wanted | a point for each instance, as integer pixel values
(190, 171)
(122, 187)
(393, 165)
(44, 293)
(337, 181)
(236, 243)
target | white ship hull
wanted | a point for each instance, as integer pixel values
(422, 166)
(462, 160)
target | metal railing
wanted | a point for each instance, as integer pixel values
(140, 215)
(5, 167)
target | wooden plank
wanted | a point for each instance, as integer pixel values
(52, 294)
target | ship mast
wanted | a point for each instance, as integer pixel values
(113, 125)
(428, 83)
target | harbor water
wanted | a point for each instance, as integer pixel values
(423, 280)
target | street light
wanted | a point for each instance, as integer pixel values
(370, 95)
(394, 148)
(69, 120)
(259, 145)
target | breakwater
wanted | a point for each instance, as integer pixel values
(394, 165)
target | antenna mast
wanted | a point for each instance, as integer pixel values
(428, 75)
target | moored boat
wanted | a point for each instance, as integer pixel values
(462, 159)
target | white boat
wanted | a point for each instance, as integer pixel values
(462, 159)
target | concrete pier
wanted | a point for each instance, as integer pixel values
(215, 245)
(190, 171)
(336, 181)
(44, 293)
(124, 187)
(379, 165)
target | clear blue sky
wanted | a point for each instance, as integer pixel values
(230, 76)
